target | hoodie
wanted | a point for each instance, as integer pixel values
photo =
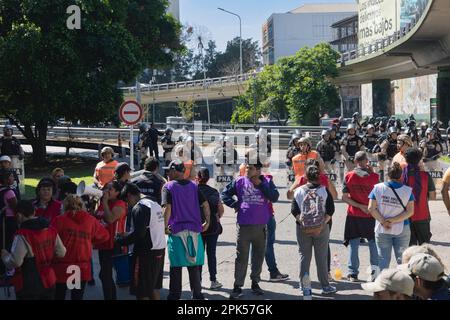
(78, 231)
(359, 183)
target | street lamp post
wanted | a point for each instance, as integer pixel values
(200, 46)
(240, 34)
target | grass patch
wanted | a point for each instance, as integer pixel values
(76, 168)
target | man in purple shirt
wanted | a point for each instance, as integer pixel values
(253, 193)
(183, 205)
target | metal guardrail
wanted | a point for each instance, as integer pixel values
(229, 80)
(381, 43)
(78, 134)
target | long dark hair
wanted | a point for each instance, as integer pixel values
(413, 157)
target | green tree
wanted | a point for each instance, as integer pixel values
(48, 71)
(186, 109)
(307, 82)
(299, 86)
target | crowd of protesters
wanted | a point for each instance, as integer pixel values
(47, 239)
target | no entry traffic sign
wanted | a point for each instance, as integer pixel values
(130, 112)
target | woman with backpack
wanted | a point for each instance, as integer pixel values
(211, 235)
(391, 204)
(312, 208)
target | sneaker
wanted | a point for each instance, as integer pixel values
(236, 293)
(215, 285)
(257, 289)
(279, 277)
(329, 290)
(352, 278)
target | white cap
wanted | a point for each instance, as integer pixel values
(5, 158)
(394, 280)
(425, 267)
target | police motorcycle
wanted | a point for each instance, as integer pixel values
(168, 144)
(432, 150)
(293, 150)
(225, 162)
(350, 145)
(328, 151)
(370, 140)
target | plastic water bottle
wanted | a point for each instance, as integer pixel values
(306, 287)
(337, 268)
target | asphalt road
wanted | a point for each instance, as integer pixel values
(286, 251)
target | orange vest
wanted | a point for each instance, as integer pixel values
(105, 172)
(188, 165)
(298, 162)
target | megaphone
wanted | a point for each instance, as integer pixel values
(83, 189)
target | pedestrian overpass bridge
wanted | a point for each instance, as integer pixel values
(211, 88)
(420, 48)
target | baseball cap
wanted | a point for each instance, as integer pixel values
(175, 165)
(5, 158)
(394, 280)
(425, 267)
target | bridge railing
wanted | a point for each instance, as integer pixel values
(381, 43)
(220, 81)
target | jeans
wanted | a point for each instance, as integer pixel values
(353, 259)
(270, 254)
(210, 242)
(385, 243)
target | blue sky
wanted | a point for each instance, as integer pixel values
(221, 26)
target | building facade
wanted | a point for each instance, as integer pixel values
(284, 34)
(345, 38)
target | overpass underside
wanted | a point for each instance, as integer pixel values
(424, 50)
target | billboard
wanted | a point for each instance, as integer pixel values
(379, 19)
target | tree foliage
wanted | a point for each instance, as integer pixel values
(48, 71)
(299, 85)
(186, 109)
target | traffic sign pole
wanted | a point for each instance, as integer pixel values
(130, 113)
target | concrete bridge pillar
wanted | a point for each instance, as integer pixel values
(381, 97)
(443, 94)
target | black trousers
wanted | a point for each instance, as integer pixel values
(175, 283)
(106, 274)
(153, 150)
(420, 233)
(75, 294)
(47, 294)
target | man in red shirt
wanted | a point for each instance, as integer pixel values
(358, 184)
